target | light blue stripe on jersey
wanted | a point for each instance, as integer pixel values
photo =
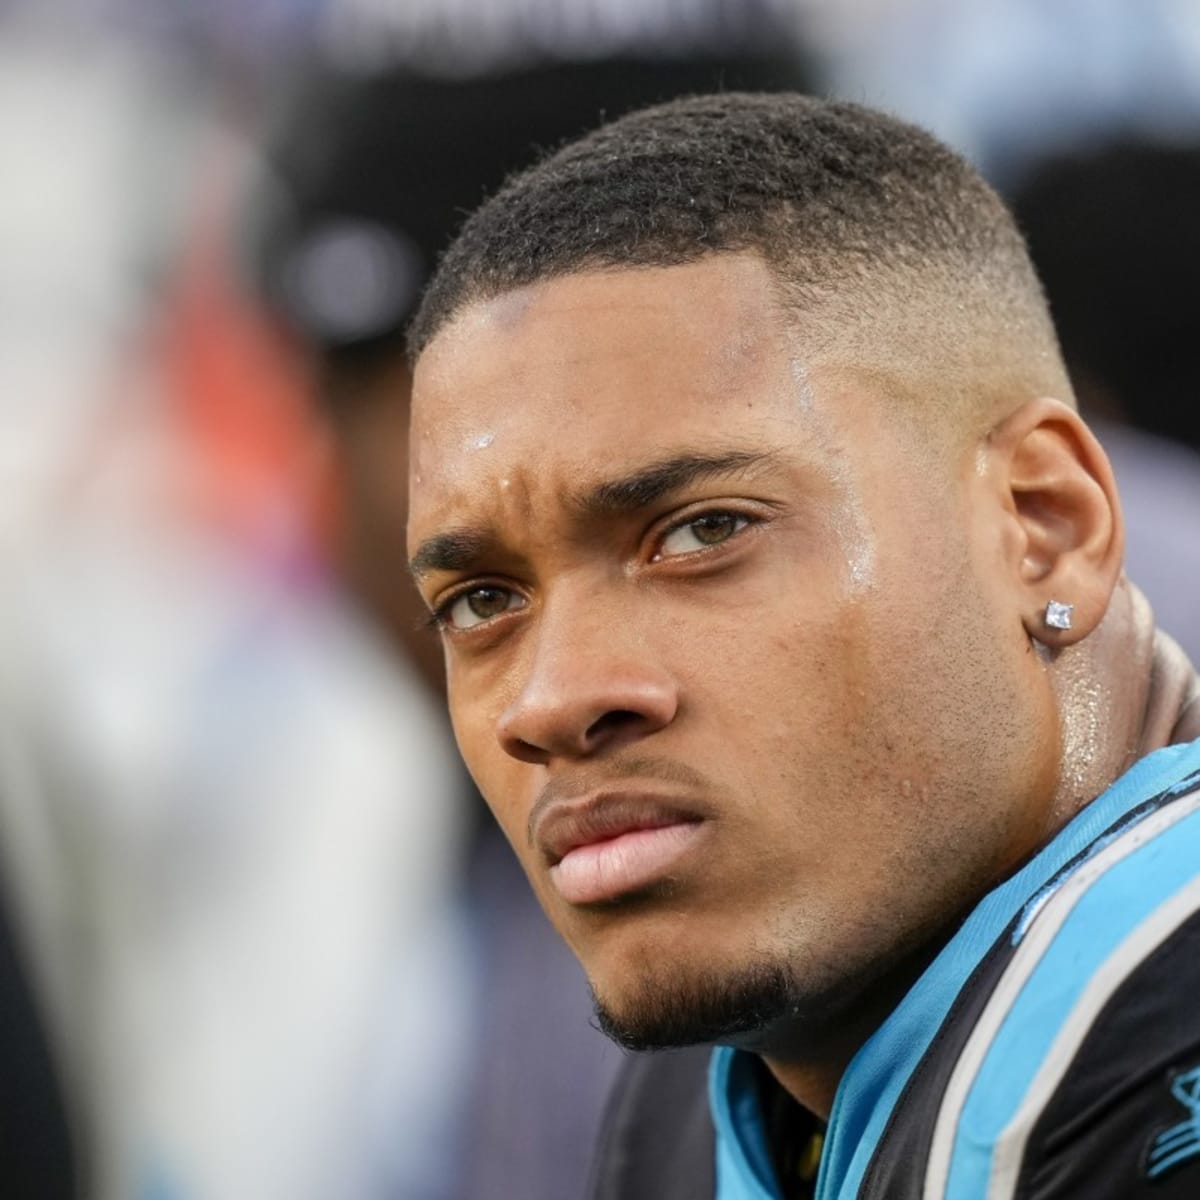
(744, 1170)
(881, 1069)
(1110, 910)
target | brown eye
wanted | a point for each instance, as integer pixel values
(708, 529)
(716, 528)
(481, 604)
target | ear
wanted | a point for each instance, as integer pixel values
(1065, 537)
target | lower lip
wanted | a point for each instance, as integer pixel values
(606, 870)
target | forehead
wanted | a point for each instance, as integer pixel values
(576, 376)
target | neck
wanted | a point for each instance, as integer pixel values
(813, 1082)
(1124, 692)
(811, 1076)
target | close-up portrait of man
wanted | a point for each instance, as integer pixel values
(781, 591)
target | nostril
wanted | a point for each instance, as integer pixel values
(524, 751)
(612, 724)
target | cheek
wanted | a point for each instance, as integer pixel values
(954, 714)
(786, 712)
(507, 785)
(475, 732)
(808, 661)
(853, 692)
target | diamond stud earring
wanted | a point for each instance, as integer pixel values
(1058, 616)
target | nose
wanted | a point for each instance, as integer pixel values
(586, 691)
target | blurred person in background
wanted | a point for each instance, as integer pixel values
(367, 179)
(229, 830)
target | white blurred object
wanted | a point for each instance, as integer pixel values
(229, 828)
(1008, 81)
(91, 143)
(466, 37)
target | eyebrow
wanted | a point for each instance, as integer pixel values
(453, 551)
(460, 549)
(651, 483)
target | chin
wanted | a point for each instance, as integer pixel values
(661, 1010)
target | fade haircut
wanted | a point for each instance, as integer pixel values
(892, 252)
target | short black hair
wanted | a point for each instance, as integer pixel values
(868, 223)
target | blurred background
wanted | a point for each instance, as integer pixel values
(257, 938)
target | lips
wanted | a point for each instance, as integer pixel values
(607, 846)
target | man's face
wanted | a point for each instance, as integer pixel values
(732, 661)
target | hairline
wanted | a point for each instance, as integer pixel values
(833, 318)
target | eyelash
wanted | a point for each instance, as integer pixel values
(438, 619)
(432, 621)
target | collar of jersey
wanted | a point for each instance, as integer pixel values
(880, 1070)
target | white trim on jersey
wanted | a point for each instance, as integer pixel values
(1009, 1146)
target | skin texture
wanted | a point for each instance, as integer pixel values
(841, 674)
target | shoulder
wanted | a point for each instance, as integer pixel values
(658, 1142)
(1080, 1075)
